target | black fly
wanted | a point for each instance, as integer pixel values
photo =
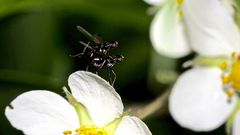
(97, 51)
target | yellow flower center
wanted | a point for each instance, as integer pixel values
(87, 130)
(231, 75)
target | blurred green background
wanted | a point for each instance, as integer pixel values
(37, 38)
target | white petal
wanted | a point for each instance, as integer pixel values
(42, 113)
(155, 2)
(236, 124)
(99, 97)
(228, 4)
(167, 32)
(132, 126)
(211, 28)
(198, 101)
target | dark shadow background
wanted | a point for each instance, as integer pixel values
(37, 38)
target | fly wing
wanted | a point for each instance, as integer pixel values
(95, 39)
(99, 38)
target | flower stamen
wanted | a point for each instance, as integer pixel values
(180, 12)
(233, 54)
(225, 79)
(67, 132)
(223, 66)
(230, 93)
(231, 75)
(180, 2)
(87, 130)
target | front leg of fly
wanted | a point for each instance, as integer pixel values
(85, 48)
(112, 76)
(98, 62)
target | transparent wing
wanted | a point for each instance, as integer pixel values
(96, 38)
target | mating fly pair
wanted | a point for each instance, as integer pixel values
(97, 52)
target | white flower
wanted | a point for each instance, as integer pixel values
(204, 97)
(155, 2)
(93, 107)
(229, 4)
(167, 31)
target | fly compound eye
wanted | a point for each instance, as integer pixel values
(115, 44)
(120, 58)
(112, 44)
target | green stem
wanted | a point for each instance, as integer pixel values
(209, 61)
(156, 107)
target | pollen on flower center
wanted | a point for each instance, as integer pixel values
(231, 75)
(86, 130)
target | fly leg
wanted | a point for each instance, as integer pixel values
(112, 76)
(84, 50)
